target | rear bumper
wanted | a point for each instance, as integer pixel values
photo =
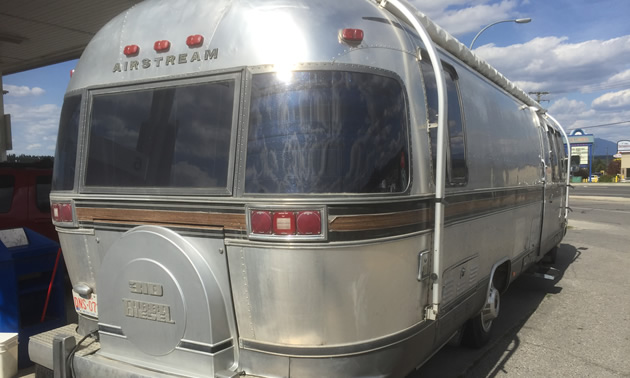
(395, 359)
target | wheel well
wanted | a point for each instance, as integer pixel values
(501, 277)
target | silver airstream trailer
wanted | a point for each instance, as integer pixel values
(289, 188)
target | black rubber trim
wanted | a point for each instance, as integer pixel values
(205, 348)
(110, 329)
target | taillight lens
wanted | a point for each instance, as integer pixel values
(261, 222)
(291, 224)
(61, 212)
(309, 223)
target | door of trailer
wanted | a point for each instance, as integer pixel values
(553, 195)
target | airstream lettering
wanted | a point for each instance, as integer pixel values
(340, 194)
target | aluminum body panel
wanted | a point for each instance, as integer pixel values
(165, 301)
(281, 33)
(323, 297)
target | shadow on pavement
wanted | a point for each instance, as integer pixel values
(517, 305)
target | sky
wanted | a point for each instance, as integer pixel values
(577, 50)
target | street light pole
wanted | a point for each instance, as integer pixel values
(517, 20)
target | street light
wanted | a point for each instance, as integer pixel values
(518, 21)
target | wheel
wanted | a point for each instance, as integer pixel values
(477, 330)
(551, 256)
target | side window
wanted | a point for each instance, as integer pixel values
(553, 156)
(42, 193)
(6, 192)
(562, 161)
(457, 171)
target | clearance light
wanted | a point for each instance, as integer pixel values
(351, 36)
(160, 46)
(285, 224)
(194, 40)
(71, 72)
(61, 212)
(131, 50)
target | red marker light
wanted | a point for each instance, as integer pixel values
(163, 45)
(61, 212)
(353, 36)
(71, 72)
(194, 40)
(260, 222)
(131, 50)
(309, 223)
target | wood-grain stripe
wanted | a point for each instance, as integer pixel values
(185, 218)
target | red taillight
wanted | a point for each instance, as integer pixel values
(284, 223)
(194, 40)
(161, 46)
(61, 212)
(261, 222)
(305, 224)
(354, 36)
(309, 223)
(131, 50)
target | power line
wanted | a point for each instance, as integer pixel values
(602, 125)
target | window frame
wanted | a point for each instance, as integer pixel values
(228, 190)
(343, 67)
(450, 73)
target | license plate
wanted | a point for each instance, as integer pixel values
(85, 306)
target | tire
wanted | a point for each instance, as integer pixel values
(551, 256)
(478, 330)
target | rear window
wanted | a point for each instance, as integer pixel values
(175, 137)
(66, 153)
(7, 183)
(327, 132)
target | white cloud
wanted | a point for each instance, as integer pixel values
(463, 16)
(22, 91)
(33, 128)
(558, 66)
(613, 101)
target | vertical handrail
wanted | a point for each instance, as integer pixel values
(406, 11)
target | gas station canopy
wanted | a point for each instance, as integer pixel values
(37, 33)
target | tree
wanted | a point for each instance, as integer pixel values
(599, 165)
(614, 167)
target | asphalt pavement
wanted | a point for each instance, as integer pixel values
(577, 325)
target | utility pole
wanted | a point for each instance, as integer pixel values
(539, 96)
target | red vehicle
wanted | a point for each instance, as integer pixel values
(24, 201)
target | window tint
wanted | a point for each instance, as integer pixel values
(327, 132)
(7, 183)
(42, 193)
(457, 170)
(66, 153)
(176, 137)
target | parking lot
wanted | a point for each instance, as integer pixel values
(577, 325)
